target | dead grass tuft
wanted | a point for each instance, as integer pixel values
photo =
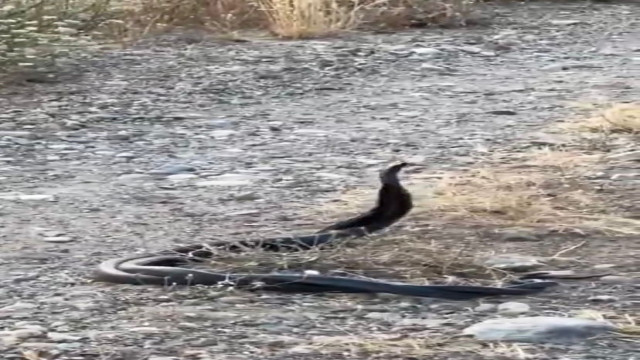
(540, 188)
(411, 258)
(297, 19)
(291, 19)
(614, 119)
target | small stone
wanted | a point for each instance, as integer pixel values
(470, 49)
(181, 177)
(538, 329)
(226, 180)
(23, 134)
(563, 22)
(513, 308)
(61, 337)
(27, 197)
(58, 239)
(18, 306)
(433, 67)
(9, 340)
(126, 155)
(146, 330)
(172, 170)
(616, 279)
(484, 308)
(514, 262)
(22, 334)
(604, 298)
(221, 134)
(431, 52)
(604, 266)
(503, 112)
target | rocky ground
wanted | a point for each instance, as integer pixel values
(95, 166)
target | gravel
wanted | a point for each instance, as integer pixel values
(166, 142)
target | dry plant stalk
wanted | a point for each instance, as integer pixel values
(299, 19)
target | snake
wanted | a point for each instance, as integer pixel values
(172, 267)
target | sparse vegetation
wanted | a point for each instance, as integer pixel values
(33, 32)
(37, 31)
(612, 119)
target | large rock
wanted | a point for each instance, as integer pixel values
(538, 329)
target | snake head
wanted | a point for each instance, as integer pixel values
(390, 175)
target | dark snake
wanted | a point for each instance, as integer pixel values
(393, 203)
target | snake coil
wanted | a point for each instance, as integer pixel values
(393, 203)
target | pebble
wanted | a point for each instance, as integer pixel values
(226, 180)
(513, 308)
(126, 155)
(484, 308)
(181, 177)
(538, 329)
(565, 22)
(616, 279)
(24, 134)
(18, 306)
(430, 52)
(58, 239)
(604, 298)
(146, 330)
(172, 169)
(61, 337)
(514, 262)
(28, 197)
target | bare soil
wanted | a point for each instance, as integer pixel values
(296, 124)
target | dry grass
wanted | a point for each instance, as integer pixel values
(612, 119)
(410, 257)
(541, 188)
(310, 18)
(291, 19)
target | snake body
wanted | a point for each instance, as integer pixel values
(393, 203)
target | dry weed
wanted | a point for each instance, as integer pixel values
(614, 119)
(410, 257)
(136, 19)
(298, 19)
(414, 345)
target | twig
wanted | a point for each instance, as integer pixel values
(568, 249)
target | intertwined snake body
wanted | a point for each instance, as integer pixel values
(393, 203)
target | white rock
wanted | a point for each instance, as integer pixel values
(514, 262)
(181, 177)
(18, 306)
(146, 330)
(513, 308)
(61, 337)
(18, 196)
(484, 308)
(539, 329)
(616, 279)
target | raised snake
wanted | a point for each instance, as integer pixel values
(393, 203)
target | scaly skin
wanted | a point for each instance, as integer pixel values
(393, 203)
